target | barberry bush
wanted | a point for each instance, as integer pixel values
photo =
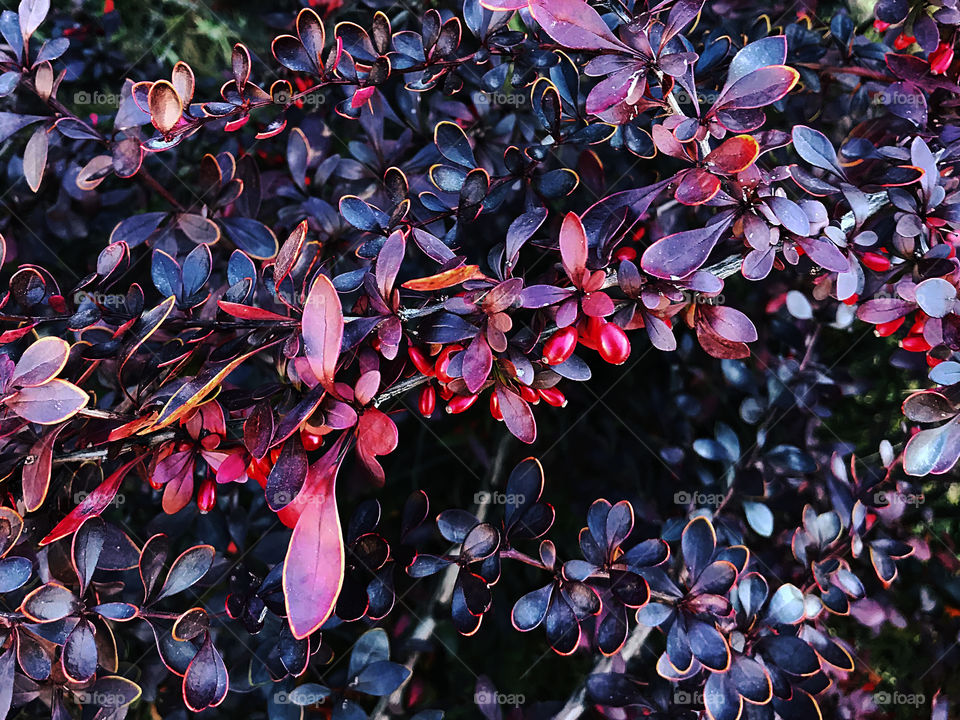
(277, 329)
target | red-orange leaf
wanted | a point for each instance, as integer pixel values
(448, 278)
(93, 504)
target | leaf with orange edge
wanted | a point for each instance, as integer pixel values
(93, 504)
(733, 155)
(41, 362)
(322, 329)
(314, 564)
(445, 279)
(48, 404)
(36, 474)
(196, 391)
(247, 312)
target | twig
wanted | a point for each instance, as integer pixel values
(102, 453)
(577, 703)
(428, 623)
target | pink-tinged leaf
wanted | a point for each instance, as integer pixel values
(92, 505)
(734, 154)
(729, 323)
(610, 91)
(824, 253)
(36, 474)
(247, 312)
(388, 263)
(517, 415)
(759, 88)
(48, 404)
(477, 363)
(40, 362)
(206, 681)
(884, 310)
(574, 24)
(288, 254)
(376, 435)
(573, 246)
(35, 158)
(188, 569)
(504, 5)
(322, 329)
(697, 187)
(314, 565)
(597, 304)
(676, 256)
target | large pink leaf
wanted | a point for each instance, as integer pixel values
(50, 403)
(93, 504)
(314, 564)
(477, 363)
(574, 24)
(388, 263)
(760, 88)
(322, 329)
(41, 362)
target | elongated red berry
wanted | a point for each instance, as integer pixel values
(560, 346)
(443, 362)
(420, 361)
(529, 394)
(876, 261)
(941, 59)
(889, 328)
(553, 396)
(614, 345)
(460, 403)
(495, 407)
(207, 495)
(625, 253)
(915, 343)
(428, 401)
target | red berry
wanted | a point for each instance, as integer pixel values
(443, 362)
(614, 345)
(154, 484)
(852, 300)
(552, 396)
(880, 25)
(889, 328)
(495, 407)
(420, 361)
(941, 59)
(207, 495)
(529, 394)
(560, 346)
(428, 401)
(310, 440)
(903, 41)
(625, 253)
(914, 343)
(876, 261)
(460, 403)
